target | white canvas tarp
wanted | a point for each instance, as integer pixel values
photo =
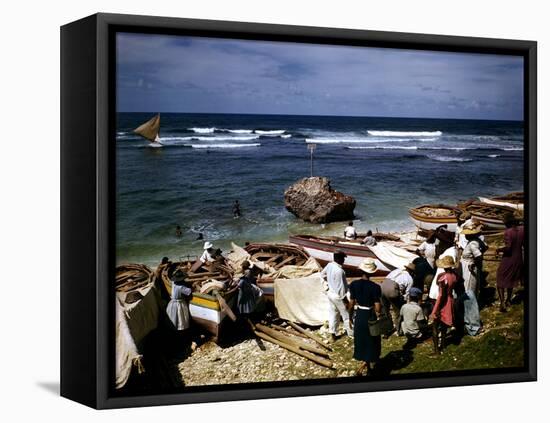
(133, 322)
(302, 300)
(392, 255)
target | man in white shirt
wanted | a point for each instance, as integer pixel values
(208, 254)
(336, 294)
(349, 232)
(395, 290)
(428, 249)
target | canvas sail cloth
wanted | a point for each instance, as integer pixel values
(134, 321)
(150, 129)
(392, 255)
(302, 300)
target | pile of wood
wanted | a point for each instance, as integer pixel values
(295, 339)
(130, 277)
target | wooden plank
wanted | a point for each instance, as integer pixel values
(225, 307)
(286, 261)
(305, 354)
(286, 339)
(309, 335)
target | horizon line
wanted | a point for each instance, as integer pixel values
(327, 115)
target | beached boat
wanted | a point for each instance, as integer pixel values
(514, 200)
(323, 249)
(430, 216)
(213, 294)
(137, 311)
(130, 277)
(150, 130)
(276, 256)
(490, 216)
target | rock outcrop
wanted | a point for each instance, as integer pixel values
(314, 200)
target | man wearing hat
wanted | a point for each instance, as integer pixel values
(208, 254)
(395, 290)
(412, 320)
(335, 276)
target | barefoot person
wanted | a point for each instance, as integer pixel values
(510, 270)
(335, 276)
(178, 308)
(365, 300)
(443, 311)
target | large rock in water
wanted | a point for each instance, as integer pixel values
(314, 200)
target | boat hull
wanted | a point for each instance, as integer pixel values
(516, 206)
(323, 251)
(427, 224)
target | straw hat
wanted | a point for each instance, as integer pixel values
(465, 215)
(179, 276)
(410, 266)
(368, 266)
(207, 245)
(471, 229)
(446, 262)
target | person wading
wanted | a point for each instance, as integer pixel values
(365, 301)
(337, 289)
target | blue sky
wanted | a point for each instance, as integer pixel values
(160, 73)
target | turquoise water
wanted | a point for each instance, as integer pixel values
(209, 161)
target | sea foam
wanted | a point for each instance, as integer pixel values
(405, 133)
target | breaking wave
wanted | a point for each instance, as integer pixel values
(405, 133)
(449, 159)
(204, 146)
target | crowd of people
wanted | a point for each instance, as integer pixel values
(440, 288)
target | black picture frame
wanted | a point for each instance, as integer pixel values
(87, 202)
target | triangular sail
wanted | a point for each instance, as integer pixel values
(150, 129)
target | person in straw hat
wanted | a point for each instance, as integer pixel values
(443, 314)
(365, 301)
(510, 270)
(178, 308)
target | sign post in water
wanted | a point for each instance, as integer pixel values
(311, 148)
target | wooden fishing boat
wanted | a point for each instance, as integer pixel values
(514, 200)
(323, 249)
(213, 293)
(150, 130)
(430, 216)
(131, 277)
(276, 256)
(490, 216)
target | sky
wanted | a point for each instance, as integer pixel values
(164, 73)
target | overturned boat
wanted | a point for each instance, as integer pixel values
(514, 200)
(213, 296)
(429, 217)
(387, 256)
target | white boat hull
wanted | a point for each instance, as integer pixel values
(515, 206)
(430, 226)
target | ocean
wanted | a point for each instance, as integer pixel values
(210, 160)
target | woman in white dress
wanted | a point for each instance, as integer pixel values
(178, 307)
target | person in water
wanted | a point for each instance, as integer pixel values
(179, 233)
(236, 209)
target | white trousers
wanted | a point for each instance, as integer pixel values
(336, 310)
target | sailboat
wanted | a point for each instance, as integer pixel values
(150, 131)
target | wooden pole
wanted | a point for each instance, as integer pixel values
(305, 354)
(293, 332)
(225, 307)
(287, 340)
(309, 335)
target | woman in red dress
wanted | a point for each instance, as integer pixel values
(443, 311)
(510, 270)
